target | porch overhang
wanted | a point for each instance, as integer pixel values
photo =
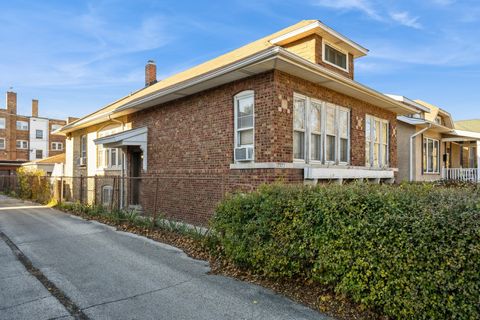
(462, 136)
(134, 137)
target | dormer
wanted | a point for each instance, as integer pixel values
(322, 45)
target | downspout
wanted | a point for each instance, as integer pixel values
(122, 185)
(411, 148)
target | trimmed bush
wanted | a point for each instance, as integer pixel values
(409, 251)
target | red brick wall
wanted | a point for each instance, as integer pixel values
(190, 142)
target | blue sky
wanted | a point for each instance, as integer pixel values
(76, 56)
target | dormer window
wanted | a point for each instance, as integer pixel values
(438, 120)
(335, 57)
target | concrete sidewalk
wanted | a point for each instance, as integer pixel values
(109, 274)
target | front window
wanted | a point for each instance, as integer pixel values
(2, 143)
(335, 57)
(321, 130)
(316, 131)
(299, 128)
(38, 154)
(376, 142)
(22, 144)
(39, 134)
(22, 125)
(244, 125)
(431, 155)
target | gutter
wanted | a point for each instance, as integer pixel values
(122, 185)
(411, 148)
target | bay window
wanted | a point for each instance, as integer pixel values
(321, 131)
(377, 144)
(330, 133)
(316, 131)
(431, 156)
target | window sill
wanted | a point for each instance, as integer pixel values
(301, 165)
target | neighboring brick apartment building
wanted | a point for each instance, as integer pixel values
(24, 138)
(285, 107)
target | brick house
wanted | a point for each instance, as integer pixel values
(285, 107)
(24, 138)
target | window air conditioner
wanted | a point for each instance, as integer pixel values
(244, 154)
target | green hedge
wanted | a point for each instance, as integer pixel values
(410, 251)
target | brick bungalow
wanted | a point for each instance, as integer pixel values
(285, 107)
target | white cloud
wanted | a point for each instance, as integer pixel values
(364, 6)
(375, 10)
(404, 18)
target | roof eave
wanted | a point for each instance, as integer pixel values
(359, 50)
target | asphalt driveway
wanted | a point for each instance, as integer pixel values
(107, 274)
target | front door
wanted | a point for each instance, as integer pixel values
(135, 171)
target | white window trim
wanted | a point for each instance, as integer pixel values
(36, 135)
(307, 139)
(21, 128)
(4, 144)
(425, 154)
(322, 132)
(106, 152)
(305, 131)
(57, 146)
(4, 121)
(381, 142)
(21, 144)
(83, 149)
(326, 43)
(236, 99)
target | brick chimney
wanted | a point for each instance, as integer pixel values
(150, 73)
(35, 108)
(12, 102)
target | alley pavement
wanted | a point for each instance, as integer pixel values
(57, 266)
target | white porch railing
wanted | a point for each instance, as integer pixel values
(461, 174)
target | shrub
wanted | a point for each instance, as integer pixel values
(410, 251)
(34, 185)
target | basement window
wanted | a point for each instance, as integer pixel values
(107, 193)
(335, 57)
